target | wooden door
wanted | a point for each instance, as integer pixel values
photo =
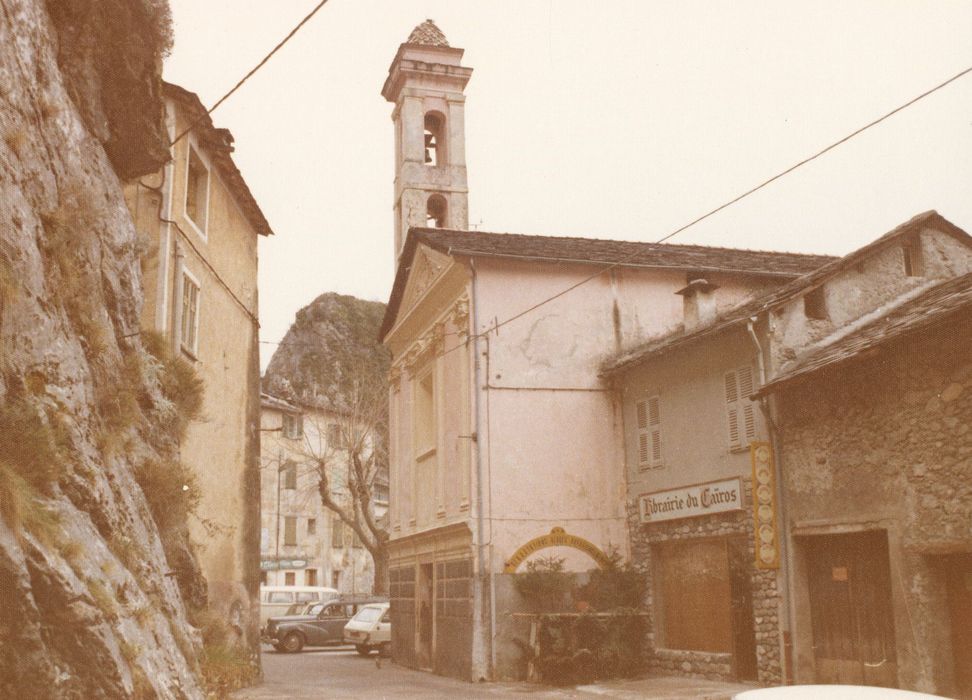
(959, 577)
(850, 609)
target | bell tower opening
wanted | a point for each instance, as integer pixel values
(426, 84)
(435, 212)
(434, 139)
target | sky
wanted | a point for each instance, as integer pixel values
(621, 119)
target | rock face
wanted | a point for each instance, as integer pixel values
(331, 348)
(92, 605)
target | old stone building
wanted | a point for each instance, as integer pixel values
(503, 437)
(876, 456)
(302, 542)
(198, 226)
(850, 363)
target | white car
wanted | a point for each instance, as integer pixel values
(832, 692)
(370, 629)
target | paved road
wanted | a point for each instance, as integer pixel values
(342, 673)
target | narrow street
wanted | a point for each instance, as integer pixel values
(342, 673)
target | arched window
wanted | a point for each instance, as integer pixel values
(434, 139)
(435, 212)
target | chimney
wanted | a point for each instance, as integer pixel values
(698, 303)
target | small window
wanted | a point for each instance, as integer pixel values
(190, 315)
(293, 425)
(435, 213)
(290, 531)
(740, 411)
(380, 493)
(311, 527)
(434, 141)
(197, 190)
(310, 577)
(290, 578)
(815, 304)
(337, 533)
(649, 432)
(289, 470)
(911, 255)
(335, 436)
(281, 596)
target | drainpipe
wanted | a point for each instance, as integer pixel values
(480, 520)
(180, 257)
(766, 409)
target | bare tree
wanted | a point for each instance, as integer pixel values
(351, 463)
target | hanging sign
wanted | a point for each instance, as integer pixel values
(764, 506)
(691, 501)
(275, 564)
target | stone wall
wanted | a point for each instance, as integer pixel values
(89, 600)
(885, 442)
(766, 599)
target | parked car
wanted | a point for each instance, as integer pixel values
(292, 633)
(311, 608)
(370, 629)
(276, 600)
(832, 692)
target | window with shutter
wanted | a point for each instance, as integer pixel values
(740, 411)
(649, 432)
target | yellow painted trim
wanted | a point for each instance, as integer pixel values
(557, 538)
(766, 532)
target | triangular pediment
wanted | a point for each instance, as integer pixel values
(427, 266)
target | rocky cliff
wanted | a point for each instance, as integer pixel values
(330, 351)
(95, 570)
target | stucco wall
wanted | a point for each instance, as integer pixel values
(223, 447)
(353, 564)
(885, 444)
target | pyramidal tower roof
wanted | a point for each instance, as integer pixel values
(427, 34)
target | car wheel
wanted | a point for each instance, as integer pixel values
(279, 647)
(292, 643)
(362, 649)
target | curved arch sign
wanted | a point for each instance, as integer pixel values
(557, 538)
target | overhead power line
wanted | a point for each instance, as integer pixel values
(257, 67)
(734, 200)
(729, 203)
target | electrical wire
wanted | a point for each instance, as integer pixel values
(619, 263)
(257, 67)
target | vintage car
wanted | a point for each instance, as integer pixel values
(291, 633)
(370, 629)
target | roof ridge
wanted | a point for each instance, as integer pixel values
(694, 246)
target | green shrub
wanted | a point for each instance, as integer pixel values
(22, 509)
(545, 584)
(171, 489)
(31, 445)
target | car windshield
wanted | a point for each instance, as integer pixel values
(368, 615)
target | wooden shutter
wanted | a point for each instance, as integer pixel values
(290, 531)
(740, 411)
(649, 432)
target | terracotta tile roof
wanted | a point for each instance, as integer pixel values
(219, 143)
(935, 306)
(740, 314)
(427, 34)
(594, 251)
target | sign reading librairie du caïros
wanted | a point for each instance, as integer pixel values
(691, 501)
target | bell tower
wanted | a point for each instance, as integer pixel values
(426, 82)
